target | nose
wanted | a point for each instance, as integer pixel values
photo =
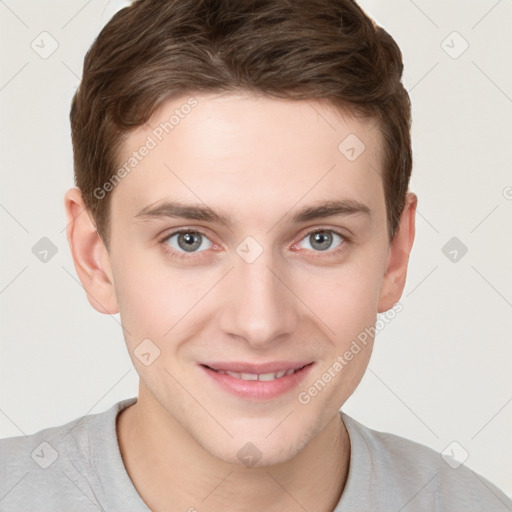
(259, 305)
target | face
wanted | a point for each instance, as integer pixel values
(262, 281)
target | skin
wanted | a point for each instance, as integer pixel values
(258, 160)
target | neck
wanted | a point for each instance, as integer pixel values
(168, 466)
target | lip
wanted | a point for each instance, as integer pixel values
(257, 390)
(271, 367)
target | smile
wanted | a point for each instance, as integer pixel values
(257, 382)
(255, 376)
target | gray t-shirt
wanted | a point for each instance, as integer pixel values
(77, 467)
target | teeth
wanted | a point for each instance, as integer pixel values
(249, 376)
(255, 376)
(267, 376)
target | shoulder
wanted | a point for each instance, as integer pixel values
(44, 447)
(54, 467)
(417, 477)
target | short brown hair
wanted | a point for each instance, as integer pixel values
(285, 49)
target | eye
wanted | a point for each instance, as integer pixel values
(190, 243)
(187, 240)
(322, 239)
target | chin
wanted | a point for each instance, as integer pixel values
(252, 456)
(258, 451)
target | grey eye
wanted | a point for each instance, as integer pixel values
(188, 241)
(321, 240)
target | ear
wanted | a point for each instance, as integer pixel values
(91, 258)
(393, 282)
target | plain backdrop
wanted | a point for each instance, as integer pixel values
(441, 370)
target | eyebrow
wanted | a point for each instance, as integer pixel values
(175, 209)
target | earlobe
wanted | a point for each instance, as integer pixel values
(90, 256)
(393, 282)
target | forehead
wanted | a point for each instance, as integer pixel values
(248, 151)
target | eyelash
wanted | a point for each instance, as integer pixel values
(191, 256)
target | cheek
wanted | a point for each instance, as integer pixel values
(345, 300)
(154, 296)
(158, 301)
(150, 299)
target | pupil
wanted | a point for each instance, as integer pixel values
(191, 241)
(323, 239)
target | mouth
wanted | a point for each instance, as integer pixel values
(258, 376)
(257, 382)
(261, 376)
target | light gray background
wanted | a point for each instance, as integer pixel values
(441, 370)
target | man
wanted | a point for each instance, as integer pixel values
(242, 201)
